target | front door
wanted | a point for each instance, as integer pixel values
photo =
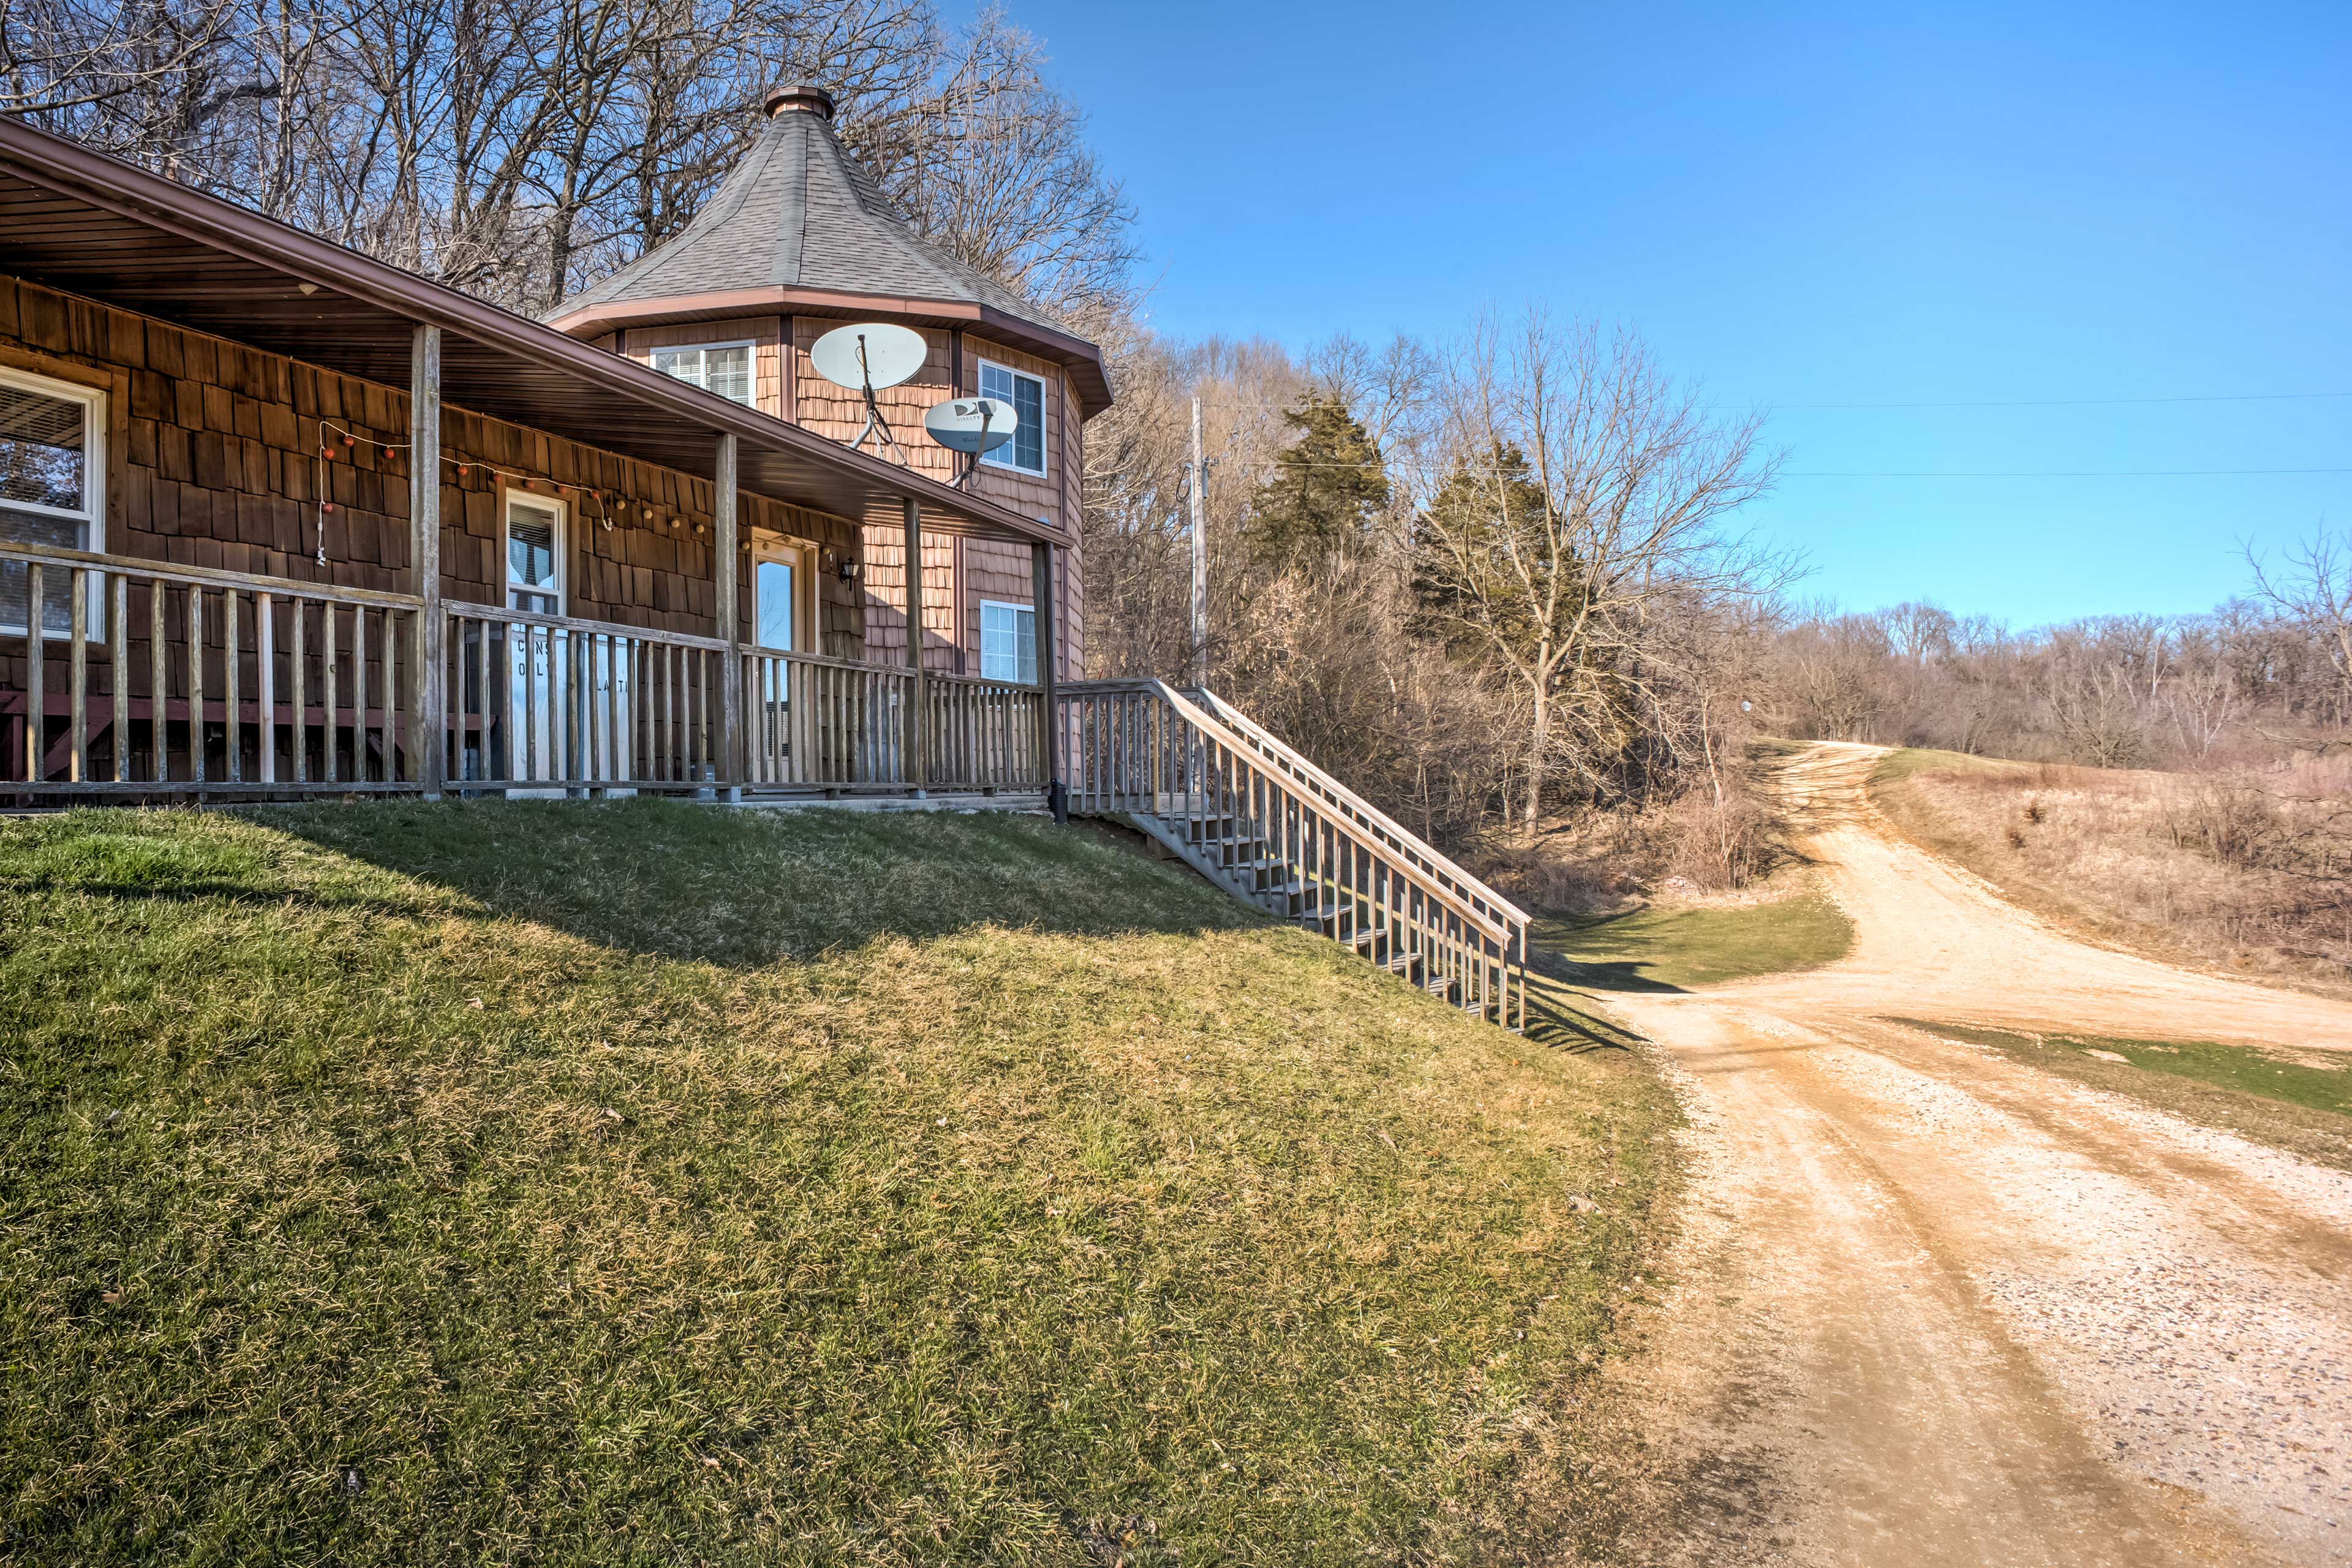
(783, 616)
(534, 541)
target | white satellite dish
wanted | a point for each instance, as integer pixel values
(869, 355)
(972, 425)
(865, 357)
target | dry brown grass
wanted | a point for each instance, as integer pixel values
(2241, 871)
(1685, 847)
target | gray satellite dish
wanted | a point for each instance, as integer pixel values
(865, 357)
(972, 425)
(869, 355)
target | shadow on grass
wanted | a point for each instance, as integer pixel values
(747, 888)
(1560, 1018)
(736, 889)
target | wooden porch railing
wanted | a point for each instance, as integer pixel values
(817, 722)
(150, 679)
(1256, 817)
(541, 701)
(134, 677)
(985, 734)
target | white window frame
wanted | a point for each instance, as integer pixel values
(557, 508)
(91, 515)
(1029, 642)
(752, 365)
(992, 458)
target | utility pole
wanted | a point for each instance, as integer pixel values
(1198, 476)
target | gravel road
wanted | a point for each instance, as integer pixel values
(1942, 1308)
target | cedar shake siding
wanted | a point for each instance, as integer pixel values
(959, 571)
(213, 461)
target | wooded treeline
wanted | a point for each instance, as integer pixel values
(1483, 582)
(2265, 676)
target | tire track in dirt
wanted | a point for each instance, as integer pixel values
(1954, 1309)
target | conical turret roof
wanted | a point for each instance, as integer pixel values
(800, 224)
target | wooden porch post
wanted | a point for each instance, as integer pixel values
(918, 761)
(730, 675)
(1049, 723)
(431, 721)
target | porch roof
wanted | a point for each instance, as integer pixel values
(91, 225)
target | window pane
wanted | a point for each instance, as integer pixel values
(683, 364)
(41, 449)
(998, 658)
(1027, 394)
(1029, 439)
(728, 372)
(532, 539)
(772, 593)
(1008, 636)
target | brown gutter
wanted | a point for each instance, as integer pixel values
(1081, 358)
(58, 163)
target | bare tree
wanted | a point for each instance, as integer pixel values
(1586, 504)
(520, 149)
(2313, 589)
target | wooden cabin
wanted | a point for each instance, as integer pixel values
(289, 520)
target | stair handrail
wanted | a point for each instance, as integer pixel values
(1427, 878)
(1404, 839)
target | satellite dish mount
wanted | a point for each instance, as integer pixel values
(970, 425)
(864, 358)
(874, 420)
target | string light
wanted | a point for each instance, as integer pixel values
(606, 505)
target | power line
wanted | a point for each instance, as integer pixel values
(2046, 473)
(1914, 474)
(2079, 402)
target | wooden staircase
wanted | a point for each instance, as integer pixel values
(1240, 806)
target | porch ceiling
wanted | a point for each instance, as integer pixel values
(89, 225)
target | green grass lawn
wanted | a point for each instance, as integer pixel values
(1678, 949)
(637, 1183)
(2287, 1103)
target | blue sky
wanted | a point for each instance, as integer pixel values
(1865, 203)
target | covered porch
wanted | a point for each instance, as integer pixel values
(299, 580)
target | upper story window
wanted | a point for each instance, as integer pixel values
(52, 486)
(1026, 453)
(722, 368)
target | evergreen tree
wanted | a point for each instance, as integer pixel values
(1327, 489)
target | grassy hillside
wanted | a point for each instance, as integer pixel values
(638, 1183)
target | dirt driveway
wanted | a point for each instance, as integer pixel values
(1941, 1308)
